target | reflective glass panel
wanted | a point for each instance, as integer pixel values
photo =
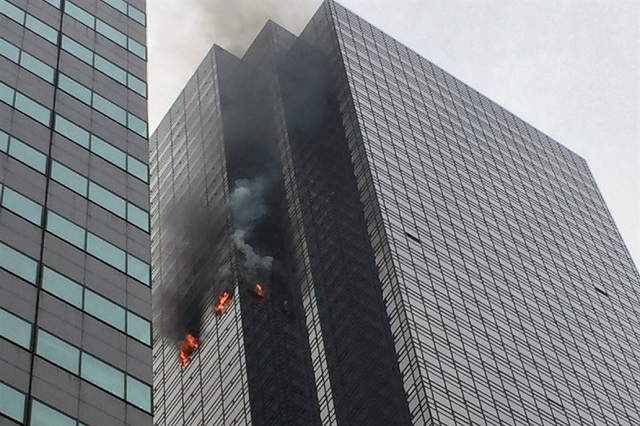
(105, 251)
(139, 328)
(15, 329)
(139, 394)
(65, 229)
(58, 351)
(43, 415)
(104, 309)
(22, 206)
(12, 403)
(72, 131)
(62, 287)
(102, 374)
(17, 263)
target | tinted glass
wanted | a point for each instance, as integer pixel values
(102, 374)
(32, 109)
(22, 206)
(43, 415)
(139, 394)
(62, 287)
(11, 402)
(71, 131)
(66, 229)
(104, 309)
(15, 329)
(139, 328)
(106, 252)
(17, 263)
(58, 351)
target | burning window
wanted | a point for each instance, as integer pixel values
(223, 301)
(186, 348)
(257, 290)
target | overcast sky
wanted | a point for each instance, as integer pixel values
(569, 67)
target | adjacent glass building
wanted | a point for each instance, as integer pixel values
(75, 298)
(427, 257)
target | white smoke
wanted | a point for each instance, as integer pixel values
(248, 208)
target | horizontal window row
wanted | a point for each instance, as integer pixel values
(12, 405)
(105, 29)
(100, 103)
(30, 22)
(103, 65)
(93, 370)
(20, 205)
(100, 195)
(25, 104)
(99, 147)
(96, 246)
(132, 12)
(18, 263)
(23, 152)
(27, 61)
(120, 5)
(96, 305)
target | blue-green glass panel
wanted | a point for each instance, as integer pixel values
(104, 309)
(54, 3)
(139, 394)
(137, 216)
(37, 67)
(137, 85)
(108, 152)
(69, 178)
(42, 29)
(15, 329)
(138, 169)
(137, 15)
(137, 49)
(111, 33)
(138, 269)
(74, 88)
(120, 5)
(79, 14)
(65, 229)
(6, 93)
(102, 375)
(17, 263)
(32, 109)
(110, 69)
(58, 351)
(9, 51)
(12, 403)
(109, 109)
(4, 141)
(106, 251)
(107, 199)
(43, 415)
(22, 206)
(61, 286)
(72, 131)
(139, 328)
(11, 12)
(137, 125)
(77, 50)
(27, 155)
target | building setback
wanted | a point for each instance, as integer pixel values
(344, 234)
(75, 298)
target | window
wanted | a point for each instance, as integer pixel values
(66, 230)
(137, 269)
(137, 85)
(72, 132)
(74, 88)
(12, 403)
(110, 69)
(69, 178)
(137, 49)
(15, 329)
(42, 29)
(22, 206)
(106, 252)
(108, 152)
(139, 328)
(137, 216)
(138, 169)
(58, 351)
(17, 263)
(111, 33)
(104, 309)
(37, 67)
(12, 12)
(32, 109)
(9, 51)
(43, 415)
(77, 50)
(79, 14)
(137, 15)
(107, 199)
(63, 287)
(6, 93)
(138, 394)
(137, 125)
(4, 141)
(102, 375)
(27, 155)
(109, 109)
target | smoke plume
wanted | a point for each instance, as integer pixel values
(248, 208)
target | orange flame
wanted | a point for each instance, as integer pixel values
(223, 301)
(257, 290)
(186, 347)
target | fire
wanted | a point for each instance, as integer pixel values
(186, 347)
(257, 290)
(223, 301)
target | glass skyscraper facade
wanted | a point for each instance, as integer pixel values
(427, 257)
(75, 298)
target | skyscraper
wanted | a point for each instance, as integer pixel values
(75, 299)
(343, 233)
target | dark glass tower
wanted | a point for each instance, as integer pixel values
(75, 299)
(427, 257)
